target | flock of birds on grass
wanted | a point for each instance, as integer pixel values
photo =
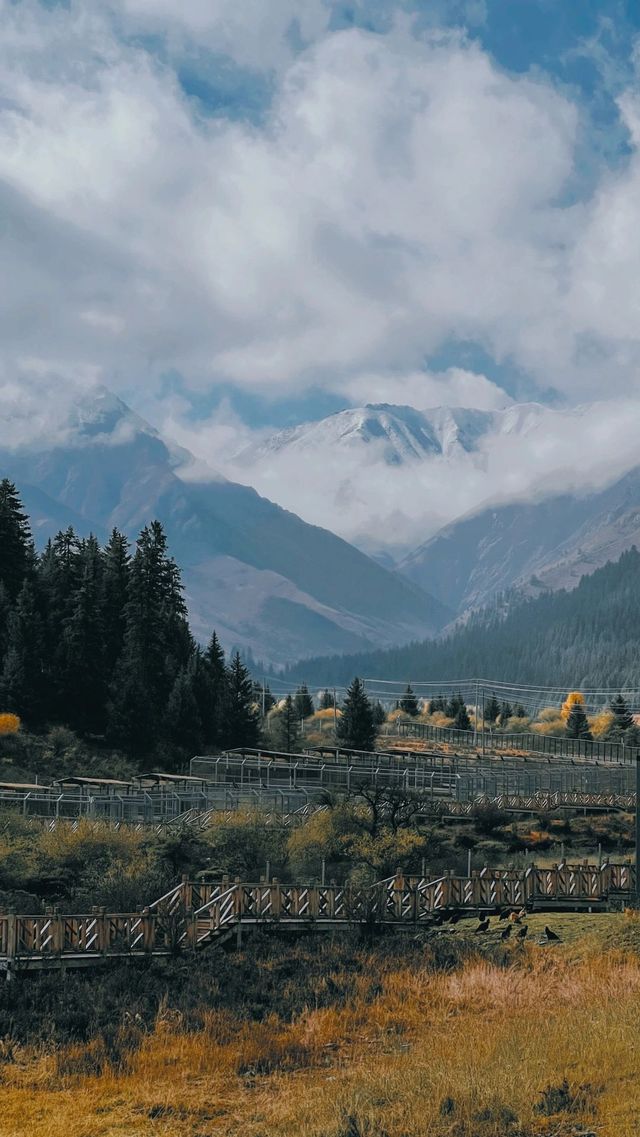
(509, 925)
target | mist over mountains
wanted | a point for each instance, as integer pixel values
(268, 582)
(281, 588)
(389, 478)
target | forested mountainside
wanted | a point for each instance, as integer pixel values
(529, 546)
(587, 637)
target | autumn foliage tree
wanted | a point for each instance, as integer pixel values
(572, 698)
(9, 724)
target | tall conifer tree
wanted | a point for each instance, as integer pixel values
(23, 680)
(285, 727)
(408, 703)
(16, 546)
(241, 726)
(356, 728)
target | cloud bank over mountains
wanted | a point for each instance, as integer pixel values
(395, 193)
(358, 474)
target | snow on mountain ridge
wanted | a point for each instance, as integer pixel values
(398, 433)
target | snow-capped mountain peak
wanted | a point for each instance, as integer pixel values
(383, 432)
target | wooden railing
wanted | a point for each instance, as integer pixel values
(194, 913)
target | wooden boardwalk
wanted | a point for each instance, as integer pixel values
(195, 914)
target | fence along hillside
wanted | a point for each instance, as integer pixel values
(195, 914)
(528, 743)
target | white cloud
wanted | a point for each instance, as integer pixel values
(336, 480)
(454, 387)
(255, 33)
(402, 192)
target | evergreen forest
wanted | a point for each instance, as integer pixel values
(97, 638)
(586, 638)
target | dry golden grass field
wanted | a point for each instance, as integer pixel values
(519, 1040)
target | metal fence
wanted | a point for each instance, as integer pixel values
(529, 743)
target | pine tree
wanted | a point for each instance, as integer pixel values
(157, 644)
(214, 716)
(408, 703)
(577, 724)
(506, 712)
(58, 580)
(22, 683)
(183, 723)
(623, 719)
(379, 713)
(356, 729)
(327, 701)
(285, 727)
(453, 706)
(116, 568)
(241, 715)
(439, 703)
(492, 710)
(5, 614)
(462, 720)
(304, 702)
(83, 655)
(16, 546)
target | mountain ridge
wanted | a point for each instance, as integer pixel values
(269, 581)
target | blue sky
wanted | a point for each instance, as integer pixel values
(241, 215)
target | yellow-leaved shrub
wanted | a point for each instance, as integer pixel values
(9, 724)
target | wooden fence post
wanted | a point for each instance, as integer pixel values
(191, 928)
(148, 930)
(398, 889)
(314, 902)
(12, 940)
(102, 929)
(276, 899)
(57, 936)
(187, 891)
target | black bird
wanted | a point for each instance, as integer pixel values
(483, 926)
(549, 934)
(454, 917)
(521, 934)
(506, 914)
(506, 932)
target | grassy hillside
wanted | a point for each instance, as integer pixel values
(452, 1037)
(587, 638)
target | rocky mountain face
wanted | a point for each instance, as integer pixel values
(529, 546)
(265, 579)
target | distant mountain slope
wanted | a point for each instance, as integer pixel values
(380, 474)
(549, 544)
(585, 638)
(264, 578)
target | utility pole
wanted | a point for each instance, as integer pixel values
(264, 697)
(475, 733)
(483, 746)
(335, 711)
